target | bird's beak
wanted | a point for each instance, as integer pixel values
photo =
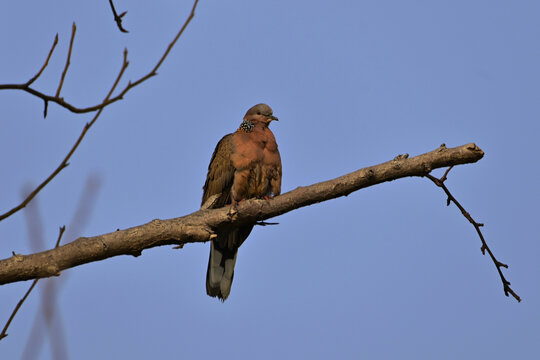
(274, 118)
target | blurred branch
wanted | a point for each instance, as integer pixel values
(201, 225)
(49, 315)
(477, 226)
(80, 218)
(79, 110)
(108, 100)
(118, 18)
(3, 334)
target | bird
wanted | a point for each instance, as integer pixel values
(245, 164)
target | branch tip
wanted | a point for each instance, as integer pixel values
(118, 18)
(68, 61)
(45, 108)
(265, 223)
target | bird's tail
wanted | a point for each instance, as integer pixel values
(220, 273)
(223, 252)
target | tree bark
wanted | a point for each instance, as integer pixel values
(200, 226)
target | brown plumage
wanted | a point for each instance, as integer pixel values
(245, 164)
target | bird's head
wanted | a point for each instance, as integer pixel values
(260, 113)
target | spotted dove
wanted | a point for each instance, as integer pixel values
(245, 165)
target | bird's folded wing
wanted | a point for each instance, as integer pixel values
(220, 175)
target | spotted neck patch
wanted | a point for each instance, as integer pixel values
(246, 126)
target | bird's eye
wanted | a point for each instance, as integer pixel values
(259, 113)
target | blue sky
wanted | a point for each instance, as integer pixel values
(388, 272)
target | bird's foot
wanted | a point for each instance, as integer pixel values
(233, 211)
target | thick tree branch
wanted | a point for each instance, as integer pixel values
(201, 225)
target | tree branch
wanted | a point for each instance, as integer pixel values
(450, 198)
(79, 110)
(201, 225)
(65, 162)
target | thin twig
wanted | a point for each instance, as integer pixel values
(68, 60)
(477, 226)
(29, 82)
(80, 110)
(19, 304)
(153, 72)
(64, 162)
(118, 18)
(3, 334)
(186, 23)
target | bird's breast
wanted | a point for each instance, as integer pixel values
(257, 165)
(257, 147)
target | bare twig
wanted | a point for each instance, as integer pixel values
(57, 100)
(3, 334)
(202, 225)
(64, 162)
(19, 304)
(118, 18)
(108, 100)
(29, 82)
(153, 72)
(79, 110)
(477, 226)
(68, 61)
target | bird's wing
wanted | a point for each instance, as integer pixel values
(220, 175)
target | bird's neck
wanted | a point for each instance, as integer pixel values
(249, 125)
